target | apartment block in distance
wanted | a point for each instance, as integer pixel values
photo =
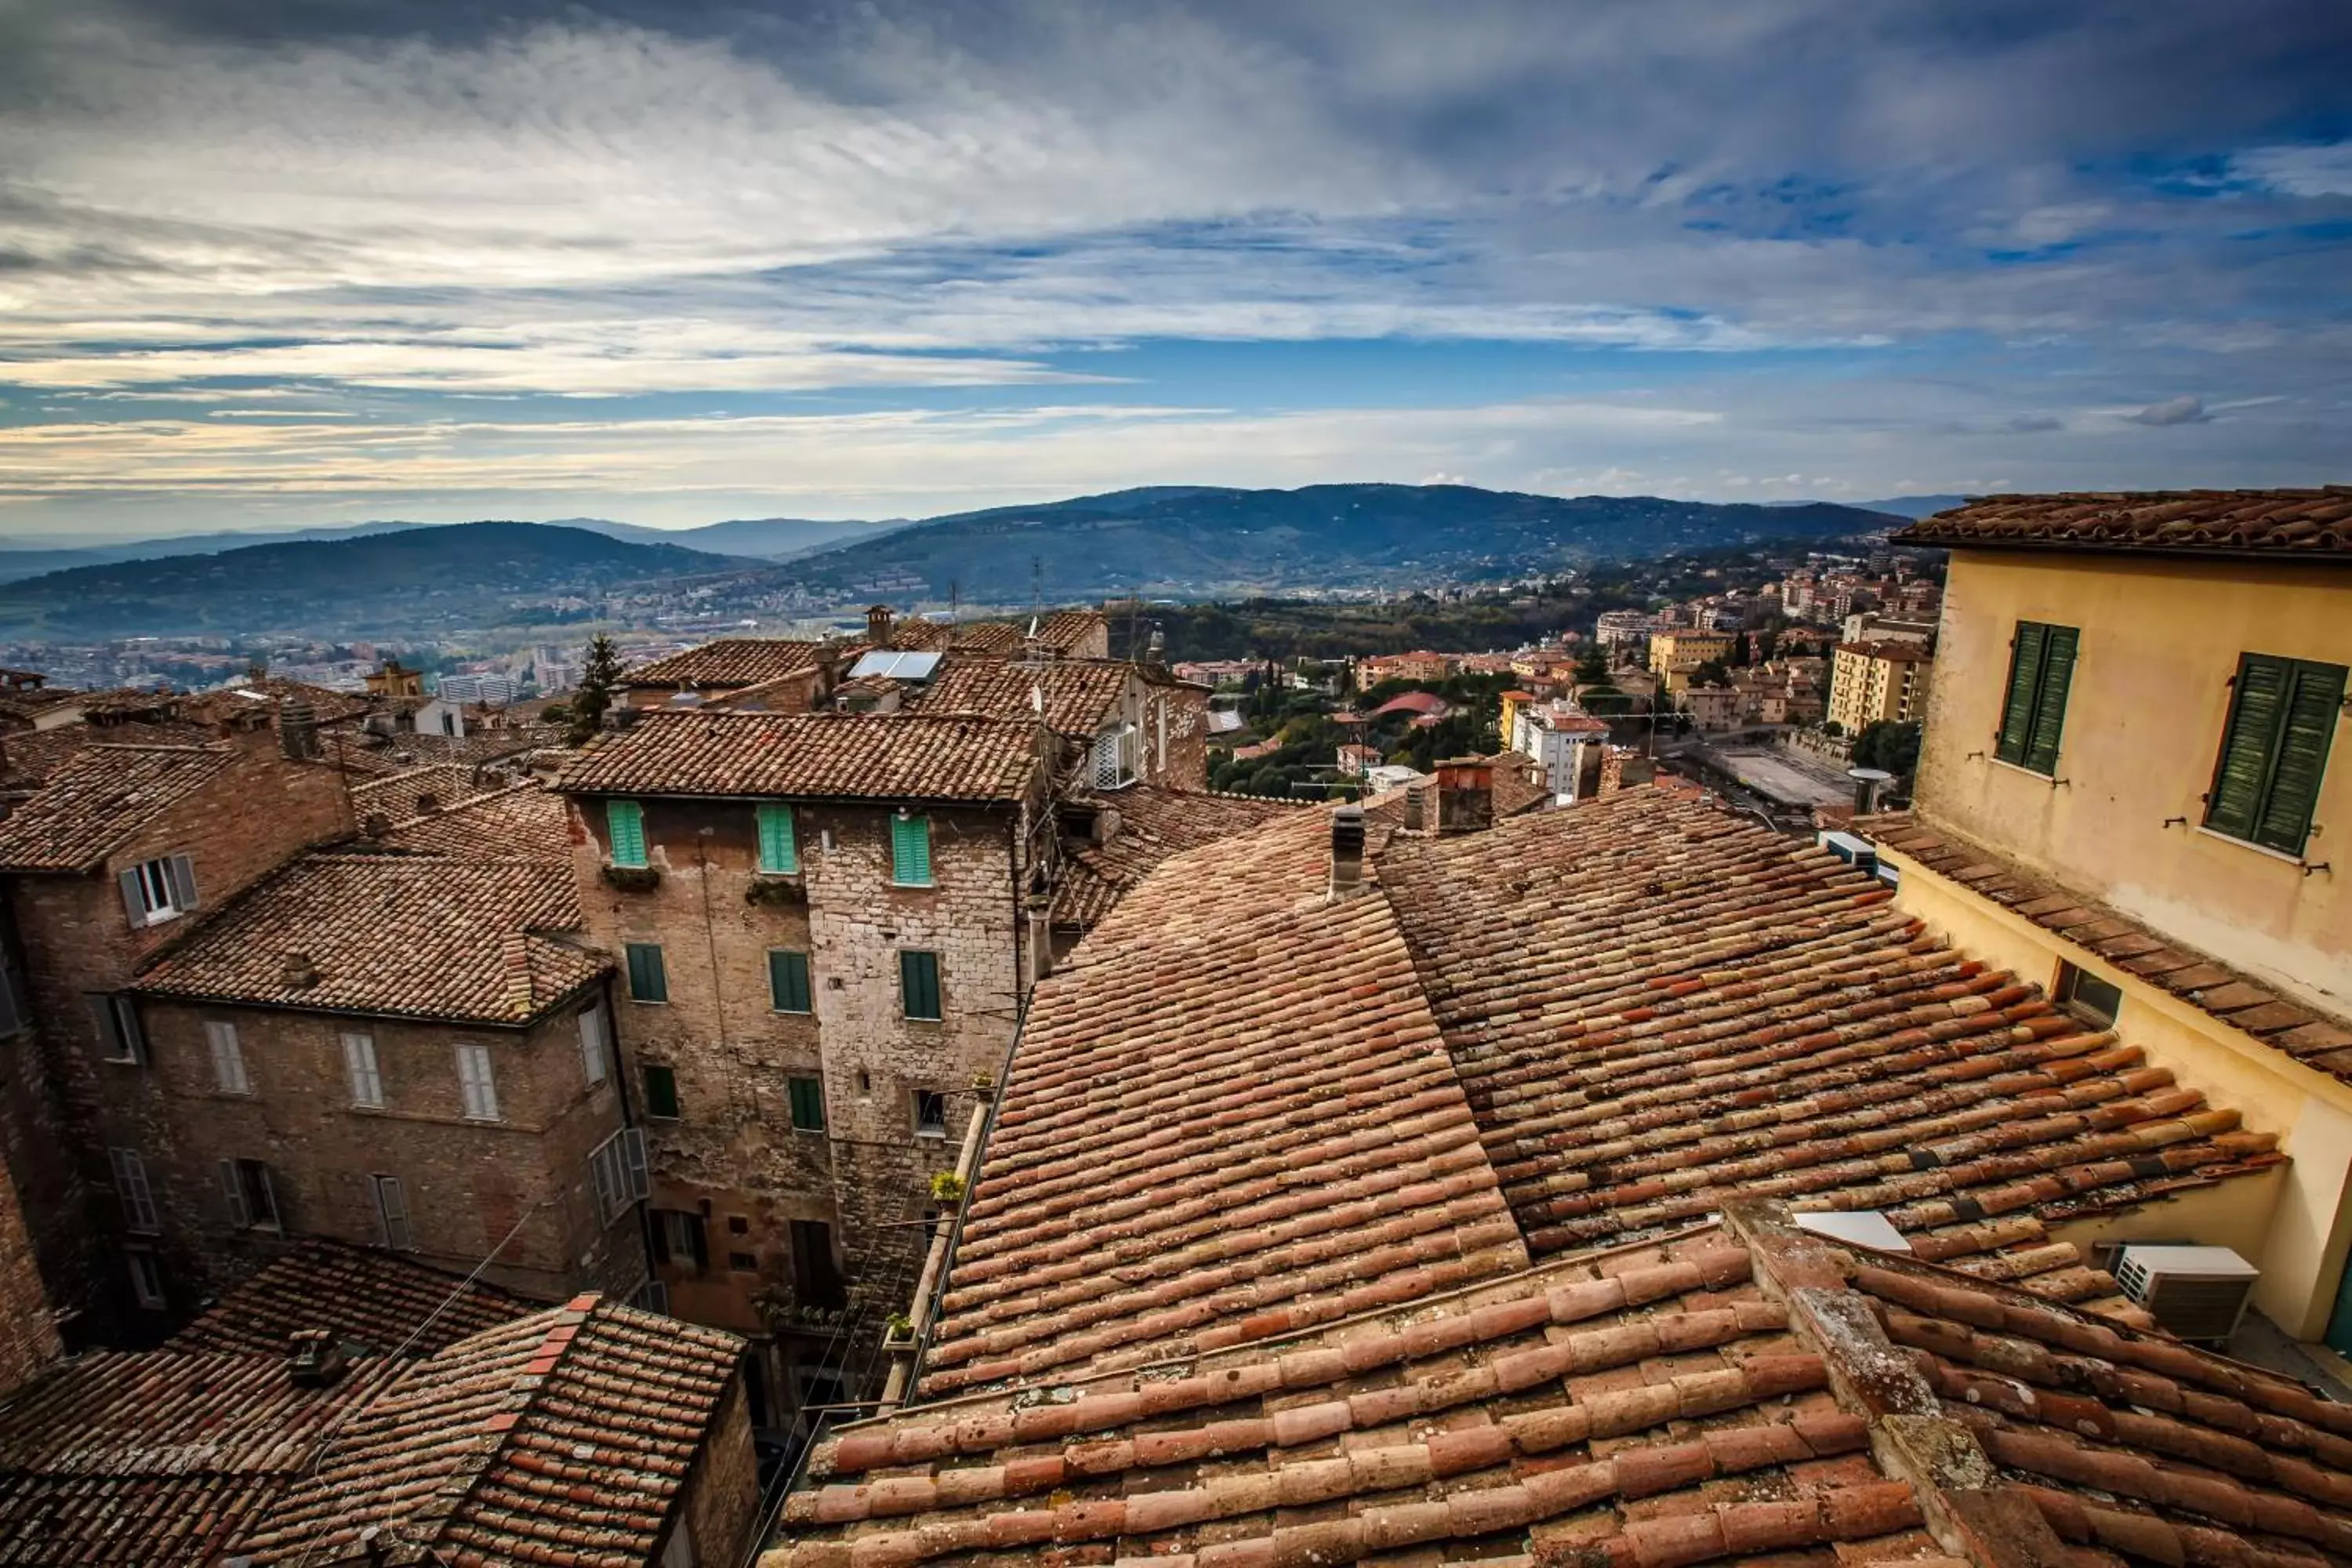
(1879, 682)
(2135, 791)
(828, 923)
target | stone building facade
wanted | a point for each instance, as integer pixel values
(104, 868)
(827, 924)
(29, 1334)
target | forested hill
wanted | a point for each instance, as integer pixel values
(1203, 543)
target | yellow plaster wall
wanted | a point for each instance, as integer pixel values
(2294, 1224)
(2160, 639)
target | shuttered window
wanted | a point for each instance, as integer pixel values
(119, 1037)
(648, 978)
(918, 984)
(228, 1058)
(476, 1082)
(359, 1065)
(625, 821)
(788, 980)
(2283, 715)
(911, 851)
(808, 1103)
(392, 1215)
(780, 852)
(592, 1054)
(249, 1194)
(661, 1092)
(130, 1186)
(617, 1168)
(2033, 715)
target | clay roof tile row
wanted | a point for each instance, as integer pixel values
(894, 756)
(2306, 524)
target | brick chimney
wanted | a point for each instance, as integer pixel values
(879, 624)
(1347, 852)
(1465, 796)
(298, 973)
(314, 1357)
(1421, 806)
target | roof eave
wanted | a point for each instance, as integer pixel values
(2122, 547)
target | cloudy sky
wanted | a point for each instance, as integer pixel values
(266, 263)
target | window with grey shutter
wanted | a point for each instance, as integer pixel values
(130, 1186)
(232, 1181)
(616, 1170)
(392, 1214)
(119, 1037)
(182, 879)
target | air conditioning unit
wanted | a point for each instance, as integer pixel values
(1857, 852)
(2196, 1292)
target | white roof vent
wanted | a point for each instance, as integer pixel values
(1858, 1227)
(2196, 1292)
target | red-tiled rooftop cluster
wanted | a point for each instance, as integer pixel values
(519, 822)
(100, 797)
(380, 1302)
(728, 663)
(1153, 824)
(894, 756)
(2305, 524)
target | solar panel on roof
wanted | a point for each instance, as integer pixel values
(892, 665)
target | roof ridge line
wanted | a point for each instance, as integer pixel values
(521, 1398)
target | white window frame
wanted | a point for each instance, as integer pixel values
(146, 1278)
(477, 1084)
(596, 1056)
(617, 1173)
(393, 1224)
(240, 1209)
(229, 1076)
(130, 1186)
(362, 1069)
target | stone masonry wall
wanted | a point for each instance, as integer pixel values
(467, 1184)
(76, 940)
(732, 1153)
(29, 1336)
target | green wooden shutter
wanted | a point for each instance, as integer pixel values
(648, 976)
(808, 1103)
(2257, 710)
(2024, 680)
(919, 984)
(2314, 696)
(780, 853)
(2049, 699)
(788, 980)
(626, 821)
(911, 851)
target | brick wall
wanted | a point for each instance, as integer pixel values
(722, 1490)
(57, 1112)
(732, 1155)
(29, 1336)
(467, 1184)
(1176, 731)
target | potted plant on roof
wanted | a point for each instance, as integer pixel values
(897, 1332)
(946, 1189)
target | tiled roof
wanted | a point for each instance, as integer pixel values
(100, 797)
(1428, 704)
(1652, 1006)
(1645, 1405)
(916, 635)
(30, 758)
(2310, 1036)
(893, 756)
(562, 1437)
(1519, 783)
(729, 662)
(1076, 695)
(1154, 823)
(1217, 1128)
(395, 935)
(1739, 1391)
(2314, 524)
(522, 822)
(364, 1296)
(232, 704)
(146, 1459)
(400, 794)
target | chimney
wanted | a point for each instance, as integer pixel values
(1465, 796)
(1867, 782)
(315, 1359)
(298, 973)
(1419, 814)
(828, 673)
(1347, 852)
(1155, 653)
(879, 624)
(297, 730)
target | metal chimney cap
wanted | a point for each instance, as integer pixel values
(1869, 775)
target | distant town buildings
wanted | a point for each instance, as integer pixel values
(1878, 682)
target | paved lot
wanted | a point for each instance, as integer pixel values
(1779, 776)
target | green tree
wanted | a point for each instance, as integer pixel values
(1889, 745)
(598, 682)
(1591, 666)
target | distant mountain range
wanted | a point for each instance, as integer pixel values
(395, 579)
(380, 582)
(1199, 542)
(766, 538)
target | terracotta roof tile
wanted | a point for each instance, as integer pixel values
(1154, 823)
(1077, 696)
(727, 663)
(401, 795)
(2215, 988)
(522, 822)
(395, 935)
(364, 1296)
(1652, 1005)
(30, 758)
(894, 756)
(2315, 524)
(100, 797)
